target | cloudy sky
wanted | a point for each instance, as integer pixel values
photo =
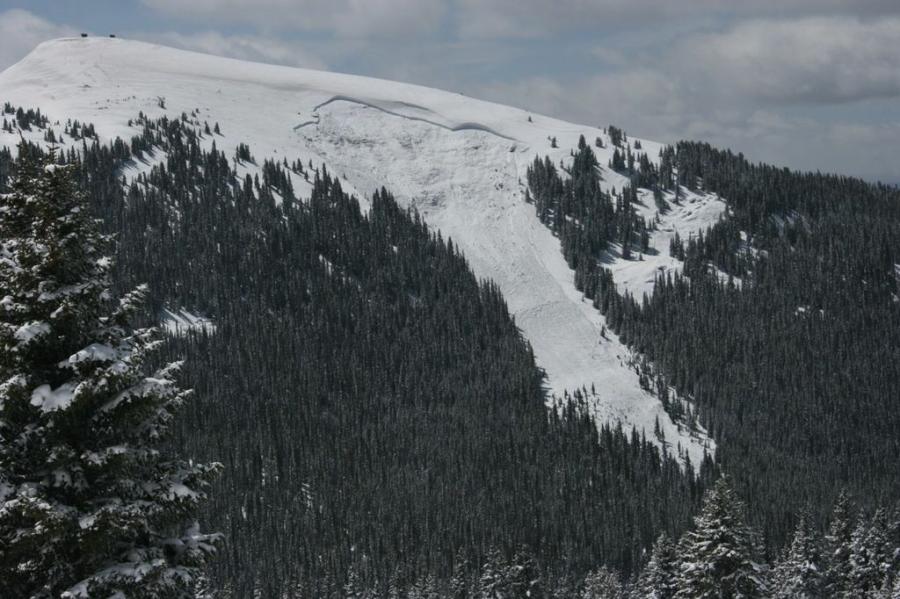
(813, 84)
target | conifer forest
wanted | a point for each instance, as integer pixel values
(214, 383)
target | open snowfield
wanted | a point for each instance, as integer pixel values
(461, 162)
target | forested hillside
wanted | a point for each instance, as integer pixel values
(783, 330)
(441, 347)
(378, 414)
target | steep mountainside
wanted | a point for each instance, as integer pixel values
(379, 416)
(435, 338)
(460, 162)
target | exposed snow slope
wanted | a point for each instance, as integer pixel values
(460, 161)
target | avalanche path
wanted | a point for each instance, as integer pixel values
(460, 162)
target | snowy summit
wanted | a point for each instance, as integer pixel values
(459, 161)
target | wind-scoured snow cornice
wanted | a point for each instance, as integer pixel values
(76, 62)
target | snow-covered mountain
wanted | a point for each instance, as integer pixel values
(460, 161)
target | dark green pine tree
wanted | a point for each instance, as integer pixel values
(507, 579)
(492, 582)
(799, 573)
(871, 555)
(89, 504)
(602, 583)
(427, 588)
(657, 580)
(718, 557)
(837, 547)
(459, 581)
(524, 576)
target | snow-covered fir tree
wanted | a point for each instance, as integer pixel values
(657, 580)
(602, 583)
(90, 506)
(426, 588)
(870, 556)
(501, 578)
(719, 556)
(394, 586)
(524, 575)
(492, 581)
(459, 580)
(837, 547)
(799, 573)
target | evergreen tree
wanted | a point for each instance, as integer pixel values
(602, 583)
(89, 504)
(524, 576)
(870, 555)
(517, 578)
(491, 584)
(354, 587)
(719, 555)
(459, 580)
(615, 135)
(837, 547)
(427, 588)
(799, 573)
(563, 586)
(657, 580)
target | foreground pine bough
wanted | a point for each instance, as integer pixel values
(89, 505)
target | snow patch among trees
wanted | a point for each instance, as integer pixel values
(181, 322)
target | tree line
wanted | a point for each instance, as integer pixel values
(795, 371)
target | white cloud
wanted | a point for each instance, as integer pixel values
(524, 18)
(667, 101)
(488, 18)
(244, 47)
(857, 133)
(811, 60)
(342, 18)
(539, 18)
(21, 31)
(641, 98)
